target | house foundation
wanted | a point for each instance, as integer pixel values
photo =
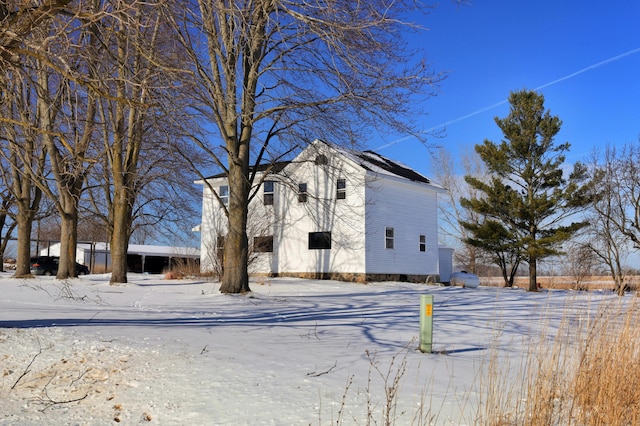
(358, 277)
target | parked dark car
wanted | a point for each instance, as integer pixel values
(48, 265)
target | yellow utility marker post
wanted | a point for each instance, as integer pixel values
(426, 322)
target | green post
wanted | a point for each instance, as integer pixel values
(426, 322)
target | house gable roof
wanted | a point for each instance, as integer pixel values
(368, 160)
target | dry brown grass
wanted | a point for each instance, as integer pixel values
(560, 282)
(585, 373)
(182, 268)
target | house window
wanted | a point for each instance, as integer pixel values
(223, 193)
(423, 243)
(389, 238)
(267, 189)
(263, 244)
(321, 160)
(302, 193)
(319, 240)
(341, 189)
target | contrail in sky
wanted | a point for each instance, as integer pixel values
(490, 107)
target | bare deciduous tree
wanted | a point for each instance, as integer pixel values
(99, 77)
(25, 156)
(45, 51)
(101, 70)
(19, 18)
(580, 261)
(272, 74)
(615, 225)
(7, 211)
(135, 117)
(452, 215)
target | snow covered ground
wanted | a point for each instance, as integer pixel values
(293, 352)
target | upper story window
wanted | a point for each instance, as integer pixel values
(302, 193)
(423, 243)
(389, 238)
(267, 189)
(341, 189)
(321, 160)
(223, 193)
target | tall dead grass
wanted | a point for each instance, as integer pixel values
(585, 372)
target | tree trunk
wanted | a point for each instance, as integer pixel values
(5, 239)
(533, 274)
(23, 263)
(68, 243)
(508, 279)
(28, 205)
(619, 278)
(120, 237)
(236, 247)
(473, 264)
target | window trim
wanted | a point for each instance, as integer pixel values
(341, 189)
(303, 194)
(268, 196)
(223, 194)
(423, 243)
(389, 238)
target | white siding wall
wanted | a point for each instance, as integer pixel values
(263, 222)
(411, 210)
(323, 213)
(213, 224)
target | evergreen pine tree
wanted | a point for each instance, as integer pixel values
(527, 202)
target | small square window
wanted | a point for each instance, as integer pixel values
(389, 238)
(223, 193)
(423, 243)
(302, 193)
(220, 245)
(267, 189)
(341, 189)
(319, 240)
(263, 244)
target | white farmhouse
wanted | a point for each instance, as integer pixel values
(332, 213)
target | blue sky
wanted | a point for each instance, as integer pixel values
(584, 56)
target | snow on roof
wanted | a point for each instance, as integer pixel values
(376, 163)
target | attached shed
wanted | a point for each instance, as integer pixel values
(445, 255)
